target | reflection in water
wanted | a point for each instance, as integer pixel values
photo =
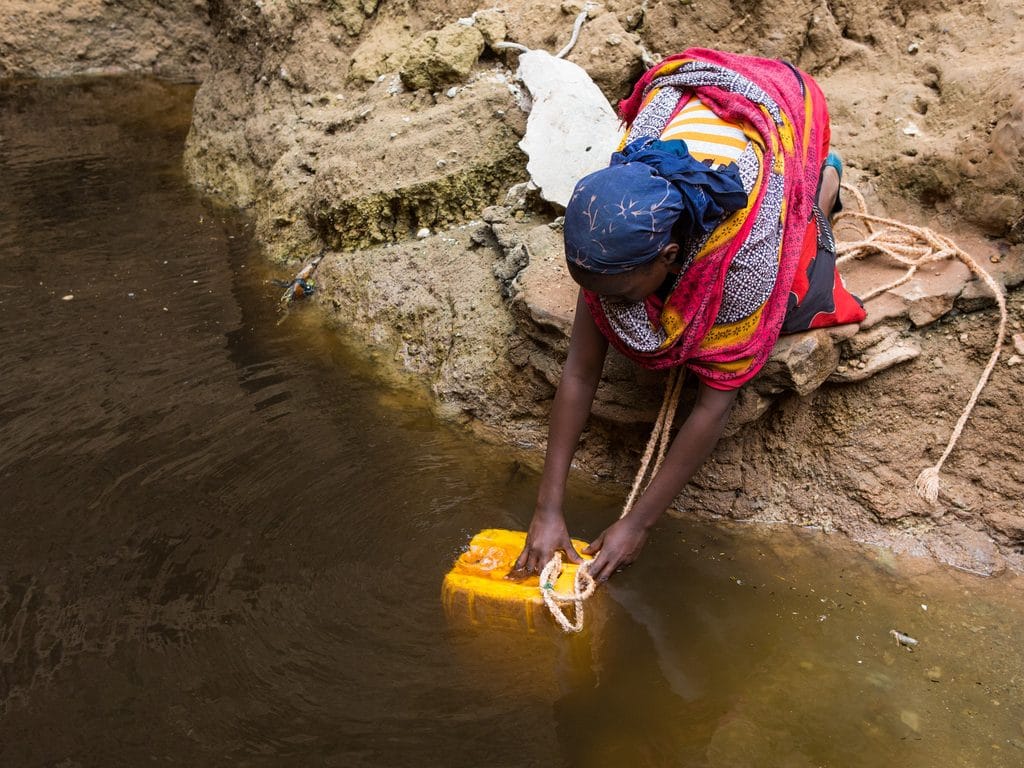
(223, 541)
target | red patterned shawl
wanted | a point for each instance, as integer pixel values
(794, 144)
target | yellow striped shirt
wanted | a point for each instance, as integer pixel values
(707, 136)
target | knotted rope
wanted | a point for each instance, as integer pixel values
(583, 587)
(584, 584)
(914, 247)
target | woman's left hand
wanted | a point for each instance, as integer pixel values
(617, 546)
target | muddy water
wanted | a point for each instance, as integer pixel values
(223, 540)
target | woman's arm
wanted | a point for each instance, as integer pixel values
(622, 541)
(569, 412)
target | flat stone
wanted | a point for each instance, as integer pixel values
(840, 333)
(546, 290)
(965, 548)
(911, 719)
(875, 337)
(890, 354)
(932, 292)
(923, 299)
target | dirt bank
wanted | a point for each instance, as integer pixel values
(387, 133)
(55, 38)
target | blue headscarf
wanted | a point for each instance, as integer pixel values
(622, 216)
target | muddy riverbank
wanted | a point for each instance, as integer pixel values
(387, 133)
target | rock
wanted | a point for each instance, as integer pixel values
(360, 197)
(519, 196)
(801, 362)
(382, 49)
(1008, 523)
(441, 57)
(878, 360)
(548, 295)
(928, 309)
(975, 296)
(910, 719)
(934, 674)
(494, 214)
(968, 549)
(1018, 343)
(610, 54)
(750, 405)
(571, 131)
(507, 268)
(880, 337)
(492, 25)
(924, 299)
(350, 14)
(1014, 360)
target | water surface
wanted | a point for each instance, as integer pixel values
(223, 539)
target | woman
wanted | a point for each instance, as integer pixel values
(705, 238)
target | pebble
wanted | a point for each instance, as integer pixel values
(1018, 343)
(911, 719)
(1014, 360)
(69, 297)
(911, 130)
(451, 92)
(963, 338)
(913, 48)
(934, 674)
(423, 233)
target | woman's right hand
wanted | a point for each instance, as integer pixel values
(547, 534)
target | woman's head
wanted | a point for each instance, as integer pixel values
(633, 284)
(623, 222)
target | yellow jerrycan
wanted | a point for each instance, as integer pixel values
(477, 588)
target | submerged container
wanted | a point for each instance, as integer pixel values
(476, 588)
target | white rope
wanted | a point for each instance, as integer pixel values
(913, 247)
(582, 588)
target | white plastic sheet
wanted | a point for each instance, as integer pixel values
(571, 131)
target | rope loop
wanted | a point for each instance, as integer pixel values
(583, 587)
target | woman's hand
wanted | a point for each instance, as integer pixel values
(547, 533)
(617, 546)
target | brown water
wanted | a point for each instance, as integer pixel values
(223, 540)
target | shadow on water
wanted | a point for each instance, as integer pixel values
(223, 538)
